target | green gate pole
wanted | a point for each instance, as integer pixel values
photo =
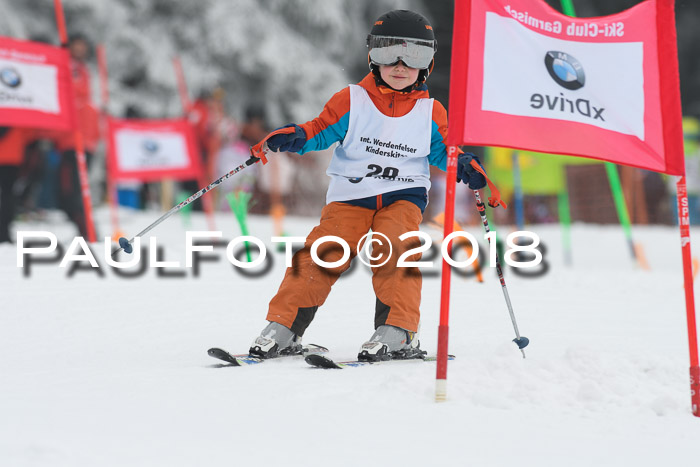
(567, 7)
(565, 223)
(238, 202)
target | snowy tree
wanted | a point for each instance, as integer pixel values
(289, 55)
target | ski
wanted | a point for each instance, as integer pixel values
(245, 359)
(321, 361)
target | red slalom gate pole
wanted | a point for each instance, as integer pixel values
(443, 328)
(60, 22)
(684, 223)
(187, 106)
(79, 149)
(111, 186)
(182, 85)
(102, 66)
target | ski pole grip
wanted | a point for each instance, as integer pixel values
(494, 200)
(258, 151)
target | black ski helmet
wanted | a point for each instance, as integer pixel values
(403, 23)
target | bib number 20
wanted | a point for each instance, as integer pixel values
(382, 172)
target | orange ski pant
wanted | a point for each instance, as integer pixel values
(398, 290)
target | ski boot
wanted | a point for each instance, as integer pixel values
(275, 340)
(391, 343)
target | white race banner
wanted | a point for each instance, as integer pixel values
(600, 84)
(36, 89)
(29, 86)
(144, 150)
(151, 150)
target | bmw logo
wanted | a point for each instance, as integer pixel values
(565, 70)
(10, 77)
(150, 146)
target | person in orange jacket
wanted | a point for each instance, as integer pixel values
(390, 131)
(13, 142)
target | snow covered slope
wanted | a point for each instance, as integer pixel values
(111, 371)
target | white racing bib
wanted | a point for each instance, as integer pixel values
(380, 154)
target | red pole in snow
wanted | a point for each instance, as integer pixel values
(187, 106)
(79, 149)
(684, 223)
(60, 23)
(182, 86)
(443, 328)
(102, 66)
(111, 186)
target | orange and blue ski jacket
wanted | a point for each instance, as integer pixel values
(331, 126)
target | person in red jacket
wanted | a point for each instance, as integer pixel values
(69, 193)
(389, 132)
(13, 142)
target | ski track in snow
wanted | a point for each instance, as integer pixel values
(112, 372)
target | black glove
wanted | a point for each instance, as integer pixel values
(468, 174)
(288, 142)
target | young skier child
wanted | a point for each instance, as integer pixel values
(390, 131)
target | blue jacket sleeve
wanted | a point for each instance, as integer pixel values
(438, 138)
(331, 125)
(438, 149)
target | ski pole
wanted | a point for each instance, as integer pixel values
(125, 244)
(257, 153)
(520, 341)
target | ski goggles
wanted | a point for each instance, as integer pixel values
(415, 53)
